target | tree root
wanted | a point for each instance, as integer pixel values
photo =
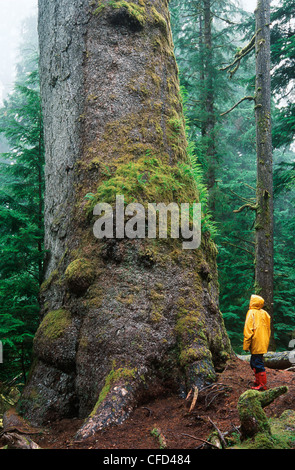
(113, 408)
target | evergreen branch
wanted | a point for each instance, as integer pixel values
(238, 247)
(241, 197)
(249, 98)
(243, 240)
(251, 187)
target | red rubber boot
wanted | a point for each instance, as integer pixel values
(261, 377)
(256, 380)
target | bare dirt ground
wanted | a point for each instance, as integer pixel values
(180, 428)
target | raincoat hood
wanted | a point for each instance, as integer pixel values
(256, 302)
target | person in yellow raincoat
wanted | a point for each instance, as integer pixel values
(256, 339)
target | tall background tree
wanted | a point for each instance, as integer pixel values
(234, 142)
(21, 209)
(202, 39)
(283, 66)
(283, 76)
(264, 234)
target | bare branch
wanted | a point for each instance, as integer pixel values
(251, 187)
(239, 55)
(199, 439)
(221, 437)
(247, 200)
(243, 240)
(224, 19)
(247, 206)
(249, 98)
(242, 53)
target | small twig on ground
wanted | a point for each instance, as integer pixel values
(221, 437)
(216, 391)
(236, 428)
(189, 394)
(212, 399)
(193, 404)
(146, 408)
(199, 439)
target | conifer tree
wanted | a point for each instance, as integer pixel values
(201, 29)
(283, 75)
(264, 251)
(21, 231)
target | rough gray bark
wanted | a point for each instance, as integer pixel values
(264, 191)
(62, 54)
(120, 317)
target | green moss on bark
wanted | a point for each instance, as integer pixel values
(47, 283)
(136, 11)
(121, 374)
(53, 325)
(147, 179)
(79, 275)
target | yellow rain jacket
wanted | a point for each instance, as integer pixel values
(257, 327)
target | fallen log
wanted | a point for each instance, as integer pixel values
(274, 360)
(18, 441)
(16, 431)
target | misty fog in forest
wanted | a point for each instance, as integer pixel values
(13, 13)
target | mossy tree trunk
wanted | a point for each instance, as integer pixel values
(264, 193)
(120, 317)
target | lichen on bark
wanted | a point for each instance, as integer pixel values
(114, 124)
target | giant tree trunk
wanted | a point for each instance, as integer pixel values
(119, 316)
(264, 213)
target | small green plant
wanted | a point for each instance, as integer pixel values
(156, 432)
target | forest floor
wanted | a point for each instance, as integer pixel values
(180, 427)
